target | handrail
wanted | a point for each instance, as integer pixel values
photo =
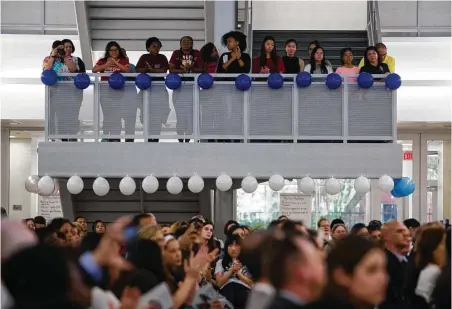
(290, 113)
(373, 23)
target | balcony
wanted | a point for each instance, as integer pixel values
(293, 131)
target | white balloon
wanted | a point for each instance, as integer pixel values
(174, 185)
(75, 185)
(249, 184)
(307, 185)
(46, 186)
(386, 183)
(101, 186)
(31, 184)
(195, 183)
(276, 182)
(224, 182)
(150, 184)
(333, 186)
(127, 186)
(362, 185)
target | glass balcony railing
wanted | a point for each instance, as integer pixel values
(291, 113)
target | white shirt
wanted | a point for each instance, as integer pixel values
(219, 269)
(427, 281)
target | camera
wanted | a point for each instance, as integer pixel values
(61, 52)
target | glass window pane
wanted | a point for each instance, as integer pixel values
(262, 206)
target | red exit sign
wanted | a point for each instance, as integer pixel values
(407, 155)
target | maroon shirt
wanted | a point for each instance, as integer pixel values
(158, 61)
(178, 58)
(256, 67)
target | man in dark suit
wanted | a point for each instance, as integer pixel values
(296, 270)
(397, 239)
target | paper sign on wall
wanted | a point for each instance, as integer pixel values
(296, 206)
(50, 207)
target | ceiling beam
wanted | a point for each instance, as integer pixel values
(84, 32)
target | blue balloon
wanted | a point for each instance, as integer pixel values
(403, 187)
(173, 81)
(116, 81)
(82, 81)
(143, 81)
(49, 77)
(303, 79)
(393, 81)
(243, 82)
(205, 81)
(275, 81)
(365, 80)
(333, 81)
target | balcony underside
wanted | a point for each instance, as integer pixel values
(209, 160)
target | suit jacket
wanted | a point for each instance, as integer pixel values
(396, 290)
(280, 302)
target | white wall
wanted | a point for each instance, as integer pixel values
(309, 15)
(23, 163)
(20, 163)
(423, 59)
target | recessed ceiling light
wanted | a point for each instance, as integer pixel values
(12, 136)
(14, 123)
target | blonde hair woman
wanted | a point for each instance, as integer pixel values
(152, 232)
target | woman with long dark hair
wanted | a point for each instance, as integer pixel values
(231, 275)
(357, 277)
(113, 61)
(317, 63)
(235, 60)
(209, 54)
(268, 60)
(372, 63)
(186, 59)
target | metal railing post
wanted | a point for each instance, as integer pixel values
(96, 103)
(196, 105)
(246, 98)
(345, 110)
(145, 112)
(46, 113)
(295, 111)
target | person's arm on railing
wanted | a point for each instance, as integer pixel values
(301, 63)
(102, 64)
(123, 65)
(47, 64)
(173, 62)
(246, 67)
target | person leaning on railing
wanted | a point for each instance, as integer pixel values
(235, 60)
(292, 63)
(63, 117)
(347, 67)
(268, 61)
(372, 63)
(114, 61)
(154, 62)
(383, 56)
(185, 60)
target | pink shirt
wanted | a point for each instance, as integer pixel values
(348, 71)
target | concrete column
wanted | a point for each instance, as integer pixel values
(224, 21)
(223, 210)
(4, 168)
(447, 183)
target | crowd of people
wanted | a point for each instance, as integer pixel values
(187, 59)
(286, 265)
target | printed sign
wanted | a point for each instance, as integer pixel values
(157, 298)
(296, 206)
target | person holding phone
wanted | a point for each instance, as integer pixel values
(235, 60)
